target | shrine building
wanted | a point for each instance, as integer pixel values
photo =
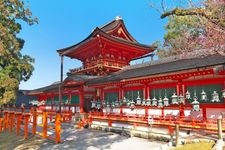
(178, 87)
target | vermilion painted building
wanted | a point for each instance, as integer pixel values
(184, 87)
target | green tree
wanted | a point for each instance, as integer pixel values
(14, 67)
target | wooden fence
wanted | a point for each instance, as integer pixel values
(34, 121)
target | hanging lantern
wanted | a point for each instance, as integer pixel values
(98, 104)
(132, 105)
(116, 103)
(103, 103)
(166, 101)
(124, 100)
(215, 97)
(121, 102)
(154, 102)
(223, 93)
(181, 99)
(188, 95)
(174, 99)
(203, 96)
(148, 102)
(138, 100)
(113, 104)
(93, 104)
(160, 102)
(107, 105)
(195, 105)
(128, 103)
(143, 103)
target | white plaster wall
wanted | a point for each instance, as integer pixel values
(116, 110)
(140, 111)
(155, 112)
(173, 112)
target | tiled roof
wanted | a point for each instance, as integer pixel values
(152, 68)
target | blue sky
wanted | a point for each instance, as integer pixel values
(63, 23)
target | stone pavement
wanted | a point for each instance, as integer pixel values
(89, 139)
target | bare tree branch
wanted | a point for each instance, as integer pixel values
(193, 12)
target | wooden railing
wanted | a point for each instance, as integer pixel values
(38, 121)
(193, 123)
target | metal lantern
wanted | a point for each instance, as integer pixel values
(121, 102)
(124, 100)
(98, 104)
(148, 102)
(132, 104)
(181, 99)
(160, 102)
(188, 95)
(154, 102)
(103, 103)
(128, 102)
(138, 100)
(93, 104)
(174, 99)
(223, 93)
(113, 104)
(107, 104)
(195, 105)
(203, 96)
(116, 103)
(143, 103)
(215, 97)
(166, 101)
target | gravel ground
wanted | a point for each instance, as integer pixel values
(87, 139)
(78, 139)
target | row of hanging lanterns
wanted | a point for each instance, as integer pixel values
(175, 100)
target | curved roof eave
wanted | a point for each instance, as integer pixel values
(67, 50)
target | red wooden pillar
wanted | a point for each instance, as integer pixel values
(45, 124)
(11, 121)
(204, 114)
(34, 127)
(120, 93)
(26, 118)
(101, 95)
(5, 120)
(180, 91)
(1, 124)
(57, 128)
(145, 91)
(19, 119)
(81, 99)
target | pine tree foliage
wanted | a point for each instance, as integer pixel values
(14, 66)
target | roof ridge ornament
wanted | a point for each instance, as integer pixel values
(119, 18)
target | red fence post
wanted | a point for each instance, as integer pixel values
(5, 120)
(57, 128)
(34, 127)
(10, 119)
(45, 124)
(26, 118)
(1, 120)
(19, 116)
